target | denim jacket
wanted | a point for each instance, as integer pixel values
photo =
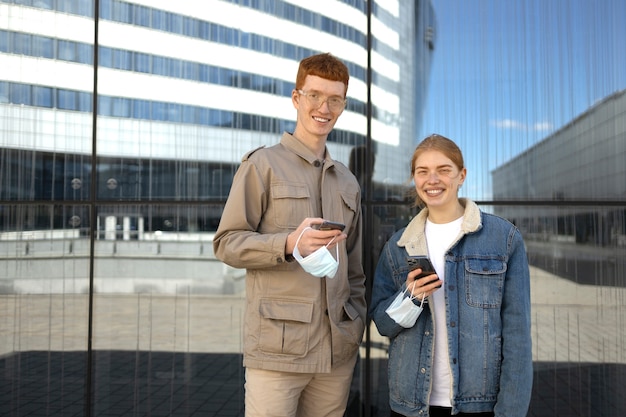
(487, 293)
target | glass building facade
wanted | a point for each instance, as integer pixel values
(121, 127)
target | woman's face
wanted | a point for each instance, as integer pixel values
(437, 180)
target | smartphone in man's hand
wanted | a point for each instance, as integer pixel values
(328, 225)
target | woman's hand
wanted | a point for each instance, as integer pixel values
(424, 286)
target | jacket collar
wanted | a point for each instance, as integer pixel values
(413, 236)
(294, 145)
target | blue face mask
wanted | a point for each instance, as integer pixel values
(403, 310)
(319, 263)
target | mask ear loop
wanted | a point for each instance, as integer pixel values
(299, 237)
(422, 300)
(331, 241)
(411, 293)
(413, 297)
(336, 247)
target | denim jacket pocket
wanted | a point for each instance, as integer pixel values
(285, 326)
(484, 282)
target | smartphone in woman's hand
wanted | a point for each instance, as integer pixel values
(421, 262)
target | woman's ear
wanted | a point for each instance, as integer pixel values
(462, 176)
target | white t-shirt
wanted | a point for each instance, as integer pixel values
(439, 237)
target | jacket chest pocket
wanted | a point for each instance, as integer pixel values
(484, 282)
(349, 206)
(291, 203)
(285, 326)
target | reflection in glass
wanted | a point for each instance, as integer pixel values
(176, 114)
(44, 303)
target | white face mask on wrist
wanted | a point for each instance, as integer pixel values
(403, 310)
(319, 263)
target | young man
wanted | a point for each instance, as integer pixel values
(305, 287)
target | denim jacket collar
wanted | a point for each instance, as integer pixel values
(413, 237)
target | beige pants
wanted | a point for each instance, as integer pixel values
(289, 394)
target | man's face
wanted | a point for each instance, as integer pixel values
(319, 103)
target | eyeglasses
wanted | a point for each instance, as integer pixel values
(315, 99)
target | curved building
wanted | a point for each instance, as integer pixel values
(122, 124)
(194, 83)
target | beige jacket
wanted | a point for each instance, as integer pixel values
(294, 321)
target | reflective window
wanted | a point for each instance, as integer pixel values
(67, 50)
(107, 219)
(66, 100)
(22, 44)
(20, 94)
(4, 92)
(43, 96)
(142, 62)
(43, 47)
(122, 60)
(4, 41)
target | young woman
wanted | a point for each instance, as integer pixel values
(467, 351)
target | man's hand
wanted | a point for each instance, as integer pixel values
(312, 239)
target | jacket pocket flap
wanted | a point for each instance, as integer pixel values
(286, 310)
(350, 311)
(349, 199)
(485, 266)
(285, 190)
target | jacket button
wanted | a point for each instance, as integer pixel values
(452, 324)
(451, 287)
(317, 163)
(423, 370)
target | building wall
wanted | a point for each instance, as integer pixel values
(583, 160)
(580, 163)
